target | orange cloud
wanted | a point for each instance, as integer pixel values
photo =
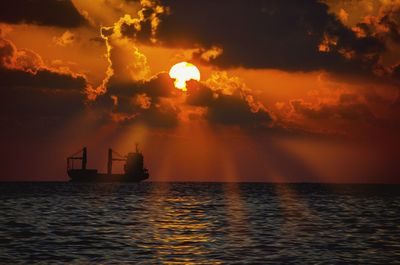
(67, 38)
(125, 61)
(143, 101)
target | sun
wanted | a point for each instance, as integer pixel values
(183, 72)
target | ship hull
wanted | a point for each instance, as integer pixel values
(91, 175)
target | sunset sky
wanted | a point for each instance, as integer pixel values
(290, 91)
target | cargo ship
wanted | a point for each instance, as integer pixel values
(134, 170)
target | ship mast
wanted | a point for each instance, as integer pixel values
(111, 159)
(137, 148)
(109, 163)
(84, 158)
(70, 159)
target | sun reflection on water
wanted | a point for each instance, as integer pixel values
(180, 228)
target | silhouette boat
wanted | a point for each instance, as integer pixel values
(134, 168)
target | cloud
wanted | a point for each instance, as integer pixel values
(128, 110)
(42, 79)
(39, 96)
(12, 58)
(384, 24)
(210, 54)
(347, 108)
(60, 13)
(147, 22)
(125, 61)
(396, 72)
(26, 68)
(30, 91)
(156, 87)
(67, 38)
(156, 102)
(227, 101)
(128, 94)
(378, 22)
(199, 94)
(145, 101)
(264, 34)
(235, 111)
(263, 38)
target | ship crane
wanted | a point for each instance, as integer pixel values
(83, 158)
(111, 159)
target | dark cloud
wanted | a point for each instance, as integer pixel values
(396, 72)
(199, 94)
(165, 115)
(155, 103)
(346, 108)
(386, 25)
(33, 96)
(264, 34)
(140, 102)
(158, 86)
(25, 68)
(38, 102)
(228, 109)
(41, 79)
(60, 13)
(348, 98)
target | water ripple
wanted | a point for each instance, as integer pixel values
(199, 223)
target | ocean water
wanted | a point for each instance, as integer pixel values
(199, 223)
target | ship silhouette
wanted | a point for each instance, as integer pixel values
(134, 170)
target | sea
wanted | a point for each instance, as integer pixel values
(199, 223)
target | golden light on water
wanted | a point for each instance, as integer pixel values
(183, 72)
